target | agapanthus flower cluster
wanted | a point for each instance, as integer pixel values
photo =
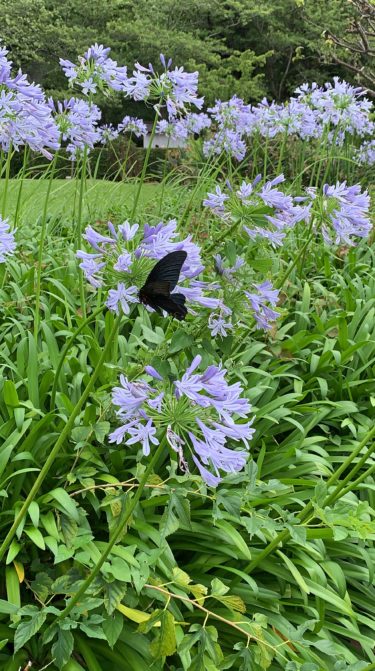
(131, 124)
(174, 89)
(344, 211)
(108, 133)
(200, 414)
(95, 71)
(181, 128)
(25, 116)
(121, 260)
(335, 109)
(77, 121)
(220, 323)
(231, 121)
(365, 154)
(270, 211)
(237, 276)
(340, 105)
(7, 241)
(260, 302)
(293, 117)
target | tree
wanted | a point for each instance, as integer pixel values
(244, 47)
(355, 49)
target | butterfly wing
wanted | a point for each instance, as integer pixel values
(174, 305)
(152, 289)
(167, 270)
(162, 279)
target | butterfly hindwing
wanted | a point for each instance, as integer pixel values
(167, 269)
(174, 305)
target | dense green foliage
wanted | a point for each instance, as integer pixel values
(242, 47)
(274, 569)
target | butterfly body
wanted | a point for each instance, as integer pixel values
(163, 278)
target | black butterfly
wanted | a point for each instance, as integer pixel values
(160, 283)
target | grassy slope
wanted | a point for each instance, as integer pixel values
(99, 193)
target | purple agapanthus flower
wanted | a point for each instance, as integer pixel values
(176, 90)
(92, 266)
(108, 133)
(215, 201)
(127, 255)
(203, 414)
(224, 270)
(25, 116)
(77, 121)
(347, 210)
(333, 111)
(263, 314)
(219, 324)
(131, 124)
(181, 128)
(339, 105)
(247, 203)
(7, 240)
(95, 71)
(231, 121)
(366, 153)
(121, 297)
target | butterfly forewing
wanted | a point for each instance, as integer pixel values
(167, 269)
(154, 288)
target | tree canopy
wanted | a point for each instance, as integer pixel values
(242, 47)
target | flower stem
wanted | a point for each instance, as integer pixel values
(20, 188)
(60, 441)
(124, 163)
(6, 185)
(293, 263)
(40, 250)
(165, 164)
(144, 167)
(265, 158)
(282, 150)
(118, 532)
(222, 237)
(210, 169)
(330, 156)
(79, 227)
(66, 348)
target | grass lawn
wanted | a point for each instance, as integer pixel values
(101, 195)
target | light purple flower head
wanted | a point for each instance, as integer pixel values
(366, 153)
(95, 71)
(121, 297)
(176, 90)
(131, 124)
(231, 122)
(108, 133)
(338, 105)
(77, 121)
(203, 414)
(25, 116)
(218, 324)
(346, 209)
(121, 260)
(260, 203)
(7, 241)
(263, 314)
(215, 201)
